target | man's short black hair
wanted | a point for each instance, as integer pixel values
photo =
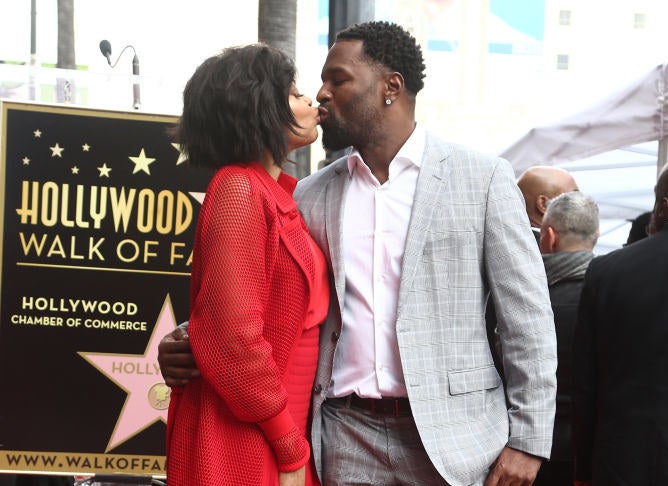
(392, 46)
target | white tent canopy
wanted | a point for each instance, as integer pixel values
(633, 115)
(612, 149)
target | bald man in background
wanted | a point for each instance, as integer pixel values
(539, 184)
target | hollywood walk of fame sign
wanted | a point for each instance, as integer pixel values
(97, 217)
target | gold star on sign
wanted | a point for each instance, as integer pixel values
(85, 147)
(141, 162)
(25, 160)
(75, 170)
(104, 170)
(182, 157)
(37, 133)
(57, 151)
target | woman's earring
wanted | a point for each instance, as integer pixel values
(388, 101)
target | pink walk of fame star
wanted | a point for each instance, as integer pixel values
(139, 375)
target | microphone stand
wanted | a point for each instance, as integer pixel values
(136, 98)
(136, 101)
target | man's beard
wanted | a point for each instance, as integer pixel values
(335, 136)
(353, 128)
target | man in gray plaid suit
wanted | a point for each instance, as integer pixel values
(417, 233)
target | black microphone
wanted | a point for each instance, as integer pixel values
(105, 48)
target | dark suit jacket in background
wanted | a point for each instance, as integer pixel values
(621, 367)
(565, 272)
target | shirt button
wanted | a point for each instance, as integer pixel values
(317, 388)
(335, 336)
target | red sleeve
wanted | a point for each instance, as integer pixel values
(226, 321)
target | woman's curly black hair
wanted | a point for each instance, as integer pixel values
(236, 106)
(393, 47)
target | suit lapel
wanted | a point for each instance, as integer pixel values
(434, 171)
(335, 203)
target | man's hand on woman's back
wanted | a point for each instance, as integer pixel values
(177, 363)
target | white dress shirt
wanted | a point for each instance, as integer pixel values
(375, 225)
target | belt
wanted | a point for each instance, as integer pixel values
(398, 407)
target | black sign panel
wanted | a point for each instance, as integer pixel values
(98, 213)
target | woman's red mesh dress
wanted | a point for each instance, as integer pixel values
(259, 291)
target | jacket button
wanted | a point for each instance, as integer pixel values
(317, 388)
(335, 336)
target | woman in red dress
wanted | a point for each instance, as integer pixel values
(259, 287)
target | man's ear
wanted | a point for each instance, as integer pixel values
(549, 240)
(541, 203)
(660, 216)
(394, 84)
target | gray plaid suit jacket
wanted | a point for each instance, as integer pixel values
(468, 236)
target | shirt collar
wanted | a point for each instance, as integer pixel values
(411, 152)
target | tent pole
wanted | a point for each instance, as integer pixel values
(662, 158)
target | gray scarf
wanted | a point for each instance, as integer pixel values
(566, 265)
